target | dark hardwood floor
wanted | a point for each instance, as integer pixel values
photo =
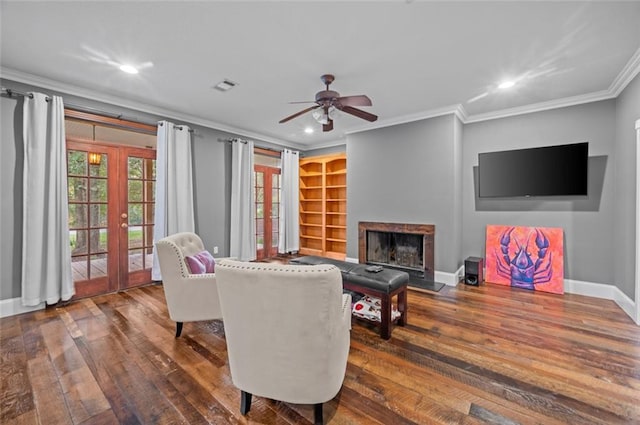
(470, 355)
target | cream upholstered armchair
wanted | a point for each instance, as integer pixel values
(190, 297)
(287, 331)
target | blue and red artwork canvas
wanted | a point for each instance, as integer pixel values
(525, 257)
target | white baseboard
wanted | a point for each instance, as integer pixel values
(351, 260)
(449, 279)
(604, 291)
(13, 306)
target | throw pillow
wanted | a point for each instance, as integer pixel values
(202, 262)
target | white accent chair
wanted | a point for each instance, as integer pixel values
(287, 331)
(190, 297)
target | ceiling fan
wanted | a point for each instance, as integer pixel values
(327, 101)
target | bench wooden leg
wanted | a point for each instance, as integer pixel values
(402, 307)
(385, 323)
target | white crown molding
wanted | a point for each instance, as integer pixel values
(457, 110)
(46, 83)
(627, 74)
(542, 106)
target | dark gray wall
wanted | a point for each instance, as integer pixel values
(211, 167)
(627, 113)
(407, 174)
(587, 222)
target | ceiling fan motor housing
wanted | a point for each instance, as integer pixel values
(326, 97)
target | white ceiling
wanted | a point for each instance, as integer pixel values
(414, 59)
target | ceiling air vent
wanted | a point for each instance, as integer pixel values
(225, 85)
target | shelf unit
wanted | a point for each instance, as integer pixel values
(323, 206)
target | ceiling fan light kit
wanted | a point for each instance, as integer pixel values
(329, 101)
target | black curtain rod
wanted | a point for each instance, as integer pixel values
(236, 139)
(179, 127)
(11, 93)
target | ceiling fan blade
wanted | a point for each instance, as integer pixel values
(328, 126)
(297, 114)
(360, 100)
(358, 113)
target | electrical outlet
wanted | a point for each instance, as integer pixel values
(215, 249)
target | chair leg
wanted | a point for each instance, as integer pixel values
(245, 402)
(317, 414)
(178, 329)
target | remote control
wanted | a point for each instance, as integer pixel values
(374, 269)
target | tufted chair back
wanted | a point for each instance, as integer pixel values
(190, 297)
(287, 330)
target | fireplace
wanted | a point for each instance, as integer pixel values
(401, 246)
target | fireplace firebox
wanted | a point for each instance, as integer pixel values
(401, 246)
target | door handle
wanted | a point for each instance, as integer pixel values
(124, 215)
(124, 225)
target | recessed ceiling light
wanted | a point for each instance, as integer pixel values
(308, 130)
(129, 69)
(225, 85)
(506, 84)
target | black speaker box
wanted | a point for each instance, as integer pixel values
(473, 268)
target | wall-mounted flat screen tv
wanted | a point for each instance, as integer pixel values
(560, 170)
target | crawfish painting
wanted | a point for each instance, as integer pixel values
(525, 257)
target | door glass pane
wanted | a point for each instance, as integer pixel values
(259, 194)
(98, 265)
(259, 210)
(136, 261)
(135, 237)
(135, 168)
(78, 216)
(77, 163)
(135, 214)
(147, 240)
(98, 191)
(98, 215)
(80, 268)
(101, 169)
(135, 191)
(98, 240)
(78, 241)
(77, 188)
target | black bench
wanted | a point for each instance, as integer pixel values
(384, 285)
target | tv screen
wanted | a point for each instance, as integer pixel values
(560, 170)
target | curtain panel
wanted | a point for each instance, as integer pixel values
(174, 211)
(242, 243)
(289, 226)
(46, 253)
